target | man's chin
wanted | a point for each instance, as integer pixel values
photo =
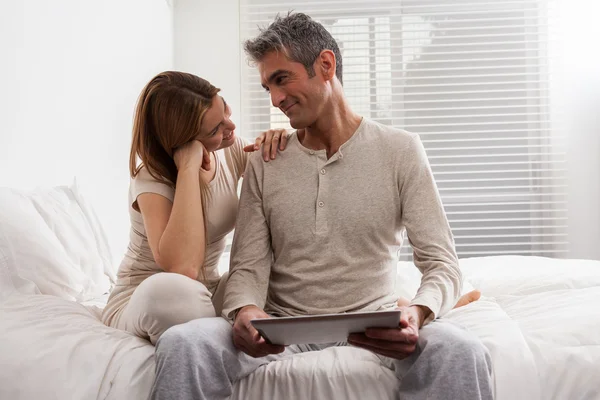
(297, 123)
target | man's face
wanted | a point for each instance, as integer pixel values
(297, 95)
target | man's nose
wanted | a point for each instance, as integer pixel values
(277, 97)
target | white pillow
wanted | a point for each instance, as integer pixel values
(10, 281)
(54, 244)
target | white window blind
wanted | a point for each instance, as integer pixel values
(473, 79)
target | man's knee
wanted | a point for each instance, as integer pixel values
(195, 336)
(450, 341)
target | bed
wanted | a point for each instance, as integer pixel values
(537, 317)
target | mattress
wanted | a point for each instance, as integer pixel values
(537, 318)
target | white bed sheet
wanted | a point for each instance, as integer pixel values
(537, 320)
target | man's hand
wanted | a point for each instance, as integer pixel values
(398, 342)
(247, 339)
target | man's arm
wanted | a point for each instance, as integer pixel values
(249, 268)
(251, 254)
(434, 254)
(429, 234)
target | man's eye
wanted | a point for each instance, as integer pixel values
(280, 80)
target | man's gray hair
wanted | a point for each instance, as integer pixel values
(299, 37)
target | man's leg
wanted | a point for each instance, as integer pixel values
(449, 363)
(198, 360)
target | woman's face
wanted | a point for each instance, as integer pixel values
(217, 130)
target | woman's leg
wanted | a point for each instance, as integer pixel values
(162, 301)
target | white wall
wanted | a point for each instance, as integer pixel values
(71, 71)
(207, 44)
(581, 64)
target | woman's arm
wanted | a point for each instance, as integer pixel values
(176, 230)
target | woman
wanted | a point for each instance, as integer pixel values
(182, 204)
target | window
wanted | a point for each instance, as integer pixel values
(473, 80)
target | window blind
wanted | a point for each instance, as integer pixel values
(474, 80)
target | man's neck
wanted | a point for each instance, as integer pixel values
(330, 131)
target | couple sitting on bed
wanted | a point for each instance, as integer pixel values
(318, 226)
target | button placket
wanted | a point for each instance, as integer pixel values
(321, 219)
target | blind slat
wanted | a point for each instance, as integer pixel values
(515, 235)
(487, 163)
(346, 3)
(512, 28)
(381, 72)
(399, 111)
(504, 171)
(507, 203)
(480, 220)
(505, 252)
(451, 214)
(365, 14)
(525, 178)
(501, 228)
(461, 93)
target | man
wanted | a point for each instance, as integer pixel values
(318, 231)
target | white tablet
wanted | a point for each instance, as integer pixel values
(326, 328)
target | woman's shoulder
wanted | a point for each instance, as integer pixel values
(237, 148)
(145, 182)
(235, 156)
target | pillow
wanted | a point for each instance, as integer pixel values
(53, 244)
(10, 282)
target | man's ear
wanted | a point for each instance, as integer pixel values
(326, 64)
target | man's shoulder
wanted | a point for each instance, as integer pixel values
(285, 159)
(390, 137)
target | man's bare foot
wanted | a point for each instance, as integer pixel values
(467, 298)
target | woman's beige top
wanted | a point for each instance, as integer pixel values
(138, 263)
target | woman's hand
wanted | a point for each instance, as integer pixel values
(271, 140)
(192, 155)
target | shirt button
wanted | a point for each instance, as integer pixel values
(311, 152)
(321, 204)
(323, 171)
(341, 156)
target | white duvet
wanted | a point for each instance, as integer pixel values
(538, 318)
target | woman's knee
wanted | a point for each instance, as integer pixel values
(173, 296)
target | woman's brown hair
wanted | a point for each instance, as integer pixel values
(168, 115)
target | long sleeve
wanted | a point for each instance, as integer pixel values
(251, 254)
(429, 233)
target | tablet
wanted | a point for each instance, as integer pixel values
(325, 328)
